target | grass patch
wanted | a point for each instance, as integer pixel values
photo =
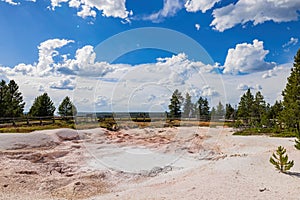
(30, 128)
(265, 131)
(284, 134)
(248, 132)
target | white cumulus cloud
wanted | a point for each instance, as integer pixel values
(65, 84)
(256, 11)
(200, 5)
(208, 91)
(84, 63)
(47, 50)
(246, 58)
(88, 8)
(244, 87)
(272, 72)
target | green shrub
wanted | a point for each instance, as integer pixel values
(280, 160)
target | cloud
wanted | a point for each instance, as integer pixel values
(23, 69)
(88, 8)
(197, 26)
(11, 2)
(182, 68)
(47, 50)
(170, 8)
(208, 91)
(101, 101)
(41, 88)
(3, 75)
(200, 5)
(247, 58)
(244, 87)
(292, 42)
(258, 12)
(147, 86)
(272, 72)
(84, 63)
(65, 84)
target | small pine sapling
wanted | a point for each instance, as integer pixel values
(297, 141)
(280, 160)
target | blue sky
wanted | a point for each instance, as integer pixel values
(248, 42)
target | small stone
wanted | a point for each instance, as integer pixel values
(263, 189)
(77, 183)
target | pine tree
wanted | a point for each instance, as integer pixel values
(42, 106)
(188, 106)
(14, 100)
(276, 109)
(230, 112)
(290, 115)
(245, 111)
(220, 110)
(175, 105)
(280, 160)
(3, 93)
(203, 108)
(67, 108)
(258, 107)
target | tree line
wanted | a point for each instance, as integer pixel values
(252, 110)
(183, 107)
(282, 115)
(12, 104)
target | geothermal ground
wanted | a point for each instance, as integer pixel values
(149, 163)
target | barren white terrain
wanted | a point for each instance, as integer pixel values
(149, 163)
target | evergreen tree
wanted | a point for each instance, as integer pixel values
(271, 116)
(280, 160)
(245, 111)
(203, 108)
(291, 98)
(258, 108)
(14, 100)
(3, 103)
(212, 114)
(67, 108)
(175, 105)
(42, 106)
(230, 112)
(220, 110)
(188, 106)
(276, 109)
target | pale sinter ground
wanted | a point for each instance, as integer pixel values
(161, 163)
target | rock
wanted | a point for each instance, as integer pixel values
(27, 172)
(262, 189)
(155, 171)
(167, 169)
(67, 134)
